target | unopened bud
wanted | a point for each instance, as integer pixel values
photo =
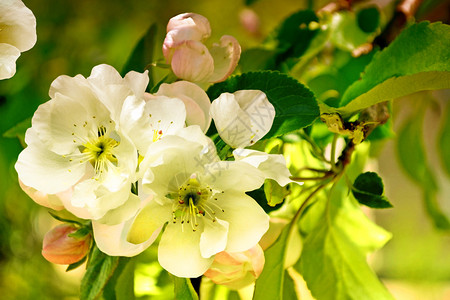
(61, 248)
(237, 270)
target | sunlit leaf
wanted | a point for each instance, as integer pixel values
(269, 284)
(294, 104)
(334, 252)
(417, 60)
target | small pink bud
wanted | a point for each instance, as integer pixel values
(192, 61)
(59, 248)
(237, 270)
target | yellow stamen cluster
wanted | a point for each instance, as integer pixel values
(192, 201)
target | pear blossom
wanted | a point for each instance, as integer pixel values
(195, 99)
(201, 200)
(61, 248)
(190, 59)
(243, 117)
(237, 270)
(17, 34)
(86, 140)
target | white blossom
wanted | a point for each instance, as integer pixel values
(17, 34)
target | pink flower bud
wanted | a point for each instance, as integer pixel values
(59, 248)
(190, 59)
(237, 270)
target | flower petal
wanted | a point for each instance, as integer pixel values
(149, 220)
(191, 61)
(226, 56)
(222, 176)
(247, 220)
(8, 56)
(187, 26)
(179, 251)
(195, 99)
(112, 240)
(242, 118)
(44, 170)
(214, 237)
(18, 25)
(272, 165)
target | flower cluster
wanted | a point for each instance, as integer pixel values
(139, 165)
(17, 34)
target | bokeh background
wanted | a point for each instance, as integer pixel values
(76, 35)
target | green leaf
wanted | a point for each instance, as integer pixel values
(275, 194)
(417, 60)
(76, 265)
(121, 284)
(333, 261)
(368, 190)
(443, 144)
(295, 33)
(99, 270)
(142, 55)
(18, 131)
(289, 287)
(368, 19)
(80, 233)
(183, 289)
(346, 32)
(256, 59)
(412, 157)
(269, 284)
(294, 104)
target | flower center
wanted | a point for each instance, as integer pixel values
(193, 202)
(99, 152)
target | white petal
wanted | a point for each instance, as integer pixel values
(137, 82)
(233, 176)
(124, 212)
(194, 133)
(191, 61)
(18, 25)
(226, 56)
(214, 237)
(179, 251)
(47, 171)
(8, 57)
(149, 221)
(59, 124)
(175, 160)
(232, 123)
(97, 200)
(195, 99)
(272, 165)
(248, 221)
(112, 239)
